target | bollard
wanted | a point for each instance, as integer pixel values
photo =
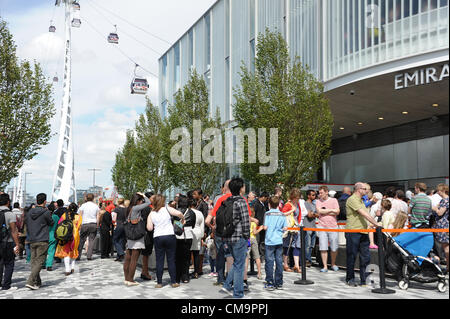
(382, 289)
(303, 281)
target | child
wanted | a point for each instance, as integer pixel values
(275, 224)
(254, 249)
(400, 222)
(388, 216)
(212, 253)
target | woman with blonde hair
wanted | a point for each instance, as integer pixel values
(291, 239)
(400, 222)
(165, 242)
(69, 251)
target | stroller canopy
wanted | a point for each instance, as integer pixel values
(417, 244)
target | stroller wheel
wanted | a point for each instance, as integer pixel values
(442, 287)
(403, 284)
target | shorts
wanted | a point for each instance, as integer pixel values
(328, 239)
(253, 249)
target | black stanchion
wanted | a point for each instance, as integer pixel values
(303, 281)
(382, 289)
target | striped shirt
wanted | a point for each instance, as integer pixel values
(420, 209)
(241, 220)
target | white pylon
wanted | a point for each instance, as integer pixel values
(18, 189)
(64, 178)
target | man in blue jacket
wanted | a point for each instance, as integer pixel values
(38, 221)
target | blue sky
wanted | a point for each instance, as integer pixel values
(102, 105)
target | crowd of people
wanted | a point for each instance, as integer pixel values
(227, 232)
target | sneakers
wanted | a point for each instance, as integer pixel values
(10, 289)
(226, 291)
(335, 268)
(32, 287)
(269, 287)
(158, 286)
(218, 283)
(246, 287)
(279, 288)
(176, 285)
(352, 283)
(323, 270)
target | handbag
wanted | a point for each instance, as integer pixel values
(134, 229)
(178, 227)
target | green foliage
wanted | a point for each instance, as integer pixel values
(125, 168)
(192, 103)
(150, 145)
(286, 96)
(26, 108)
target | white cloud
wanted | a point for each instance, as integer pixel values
(102, 104)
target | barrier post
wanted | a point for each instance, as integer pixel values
(382, 289)
(303, 281)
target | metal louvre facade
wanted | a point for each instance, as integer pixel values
(333, 38)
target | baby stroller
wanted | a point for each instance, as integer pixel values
(405, 258)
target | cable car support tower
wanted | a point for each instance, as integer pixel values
(64, 177)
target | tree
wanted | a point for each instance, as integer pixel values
(125, 169)
(283, 94)
(150, 148)
(191, 106)
(26, 108)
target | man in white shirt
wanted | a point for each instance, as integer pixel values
(436, 198)
(89, 213)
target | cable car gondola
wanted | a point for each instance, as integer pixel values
(76, 6)
(113, 37)
(139, 85)
(52, 28)
(55, 78)
(76, 22)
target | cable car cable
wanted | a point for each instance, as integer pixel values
(137, 27)
(126, 33)
(120, 50)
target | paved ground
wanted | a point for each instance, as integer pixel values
(103, 279)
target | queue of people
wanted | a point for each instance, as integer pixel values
(233, 231)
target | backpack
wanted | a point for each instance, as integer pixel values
(224, 218)
(4, 233)
(64, 231)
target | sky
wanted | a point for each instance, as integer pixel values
(102, 105)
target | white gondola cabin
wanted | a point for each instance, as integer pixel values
(113, 38)
(76, 22)
(76, 6)
(139, 86)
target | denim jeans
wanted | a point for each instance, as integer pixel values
(236, 274)
(274, 254)
(310, 242)
(165, 245)
(119, 240)
(220, 259)
(357, 242)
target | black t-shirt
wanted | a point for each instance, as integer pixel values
(121, 215)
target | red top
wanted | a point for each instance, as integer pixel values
(289, 207)
(110, 208)
(222, 199)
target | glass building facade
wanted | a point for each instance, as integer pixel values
(341, 41)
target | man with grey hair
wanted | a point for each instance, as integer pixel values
(358, 217)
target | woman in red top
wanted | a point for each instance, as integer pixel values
(291, 239)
